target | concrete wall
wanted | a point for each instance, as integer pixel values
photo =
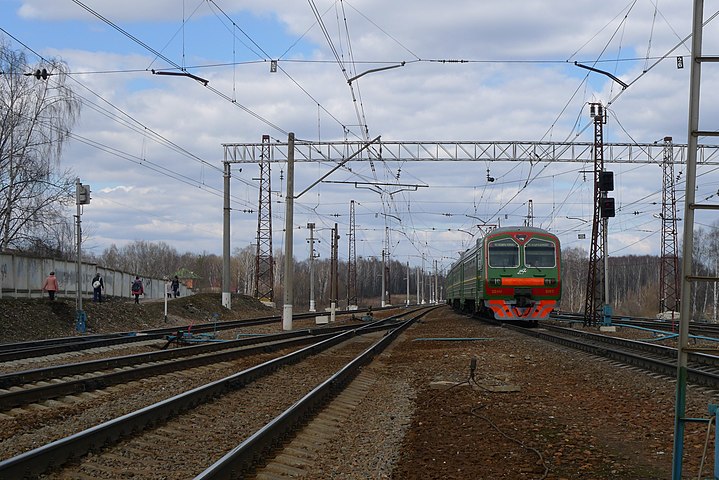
(23, 276)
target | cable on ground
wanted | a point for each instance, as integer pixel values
(472, 380)
(706, 445)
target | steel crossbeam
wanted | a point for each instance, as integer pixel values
(469, 151)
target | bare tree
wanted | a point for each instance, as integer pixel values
(143, 258)
(37, 111)
(244, 269)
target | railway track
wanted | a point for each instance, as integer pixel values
(695, 328)
(40, 348)
(30, 386)
(703, 368)
(214, 416)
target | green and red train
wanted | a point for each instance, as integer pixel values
(511, 274)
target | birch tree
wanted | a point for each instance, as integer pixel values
(37, 111)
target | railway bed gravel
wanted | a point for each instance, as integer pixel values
(539, 411)
(588, 418)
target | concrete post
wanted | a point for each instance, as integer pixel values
(289, 218)
(226, 294)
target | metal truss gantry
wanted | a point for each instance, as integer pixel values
(467, 151)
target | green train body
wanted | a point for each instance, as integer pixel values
(511, 274)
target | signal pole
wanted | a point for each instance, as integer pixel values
(82, 197)
(594, 290)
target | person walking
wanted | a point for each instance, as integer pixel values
(51, 286)
(176, 287)
(137, 289)
(97, 286)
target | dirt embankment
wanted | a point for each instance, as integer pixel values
(39, 318)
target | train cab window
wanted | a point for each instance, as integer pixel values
(540, 253)
(503, 253)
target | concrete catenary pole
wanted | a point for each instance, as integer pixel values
(408, 284)
(334, 283)
(226, 295)
(311, 240)
(436, 283)
(383, 280)
(418, 286)
(423, 280)
(289, 201)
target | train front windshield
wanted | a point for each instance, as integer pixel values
(503, 253)
(540, 253)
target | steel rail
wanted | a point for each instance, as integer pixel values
(696, 374)
(22, 350)
(242, 458)
(55, 454)
(57, 371)
(39, 393)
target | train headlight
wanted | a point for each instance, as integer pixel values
(495, 281)
(550, 281)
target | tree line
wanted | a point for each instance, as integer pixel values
(158, 259)
(634, 279)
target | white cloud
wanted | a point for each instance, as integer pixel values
(157, 174)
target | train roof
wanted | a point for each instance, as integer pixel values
(518, 229)
(499, 230)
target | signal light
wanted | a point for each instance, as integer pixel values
(607, 207)
(83, 194)
(606, 181)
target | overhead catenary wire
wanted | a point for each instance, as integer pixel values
(131, 123)
(396, 207)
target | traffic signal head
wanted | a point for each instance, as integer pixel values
(83, 194)
(606, 181)
(607, 207)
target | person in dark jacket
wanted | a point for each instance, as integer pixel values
(137, 289)
(176, 287)
(97, 286)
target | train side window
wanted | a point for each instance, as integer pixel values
(540, 253)
(503, 253)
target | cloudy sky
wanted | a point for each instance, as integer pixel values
(151, 147)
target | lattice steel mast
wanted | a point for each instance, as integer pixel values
(529, 221)
(669, 266)
(264, 261)
(352, 260)
(593, 297)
